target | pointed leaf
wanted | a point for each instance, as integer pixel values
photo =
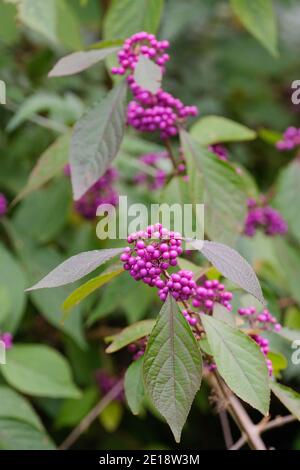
(79, 61)
(129, 335)
(288, 397)
(88, 288)
(76, 267)
(232, 265)
(96, 140)
(172, 366)
(217, 129)
(134, 385)
(14, 406)
(240, 362)
(259, 19)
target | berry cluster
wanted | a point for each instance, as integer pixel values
(150, 112)
(152, 252)
(290, 140)
(3, 204)
(140, 43)
(210, 292)
(7, 339)
(180, 285)
(102, 192)
(264, 217)
(162, 113)
(263, 320)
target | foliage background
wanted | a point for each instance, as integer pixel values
(216, 65)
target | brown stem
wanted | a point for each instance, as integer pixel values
(91, 416)
(264, 426)
(237, 411)
(226, 428)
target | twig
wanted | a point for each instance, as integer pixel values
(238, 413)
(226, 428)
(265, 426)
(278, 422)
(91, 416)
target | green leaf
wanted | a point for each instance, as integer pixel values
(134, 385)
(279, 361)
(79, 61)
(126, 17)
(288, 397)
(232, 265)
(96, 139)
(240, 362)
(76, 267)
(172, 366)
(51, 162)
(18, 435)
(111, 416)
(54, 19)
(39, 371)
(259, 19)
(87, 288)
(287, 199)
(12, 284)
(44, 213)
(147, 74)
(224, 199)
(129, 335)
(14, 406)
(221, 313)
(217, 129)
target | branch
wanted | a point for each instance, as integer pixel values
(226, 428)
(265, 426)
(238, 413)
(91, 416)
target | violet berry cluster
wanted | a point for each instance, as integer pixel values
(102, 192)
(151, 252)
(150, 112)
(290, 139)
(263, 320)
(265, 218)
(209, 293)
(3, 205)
